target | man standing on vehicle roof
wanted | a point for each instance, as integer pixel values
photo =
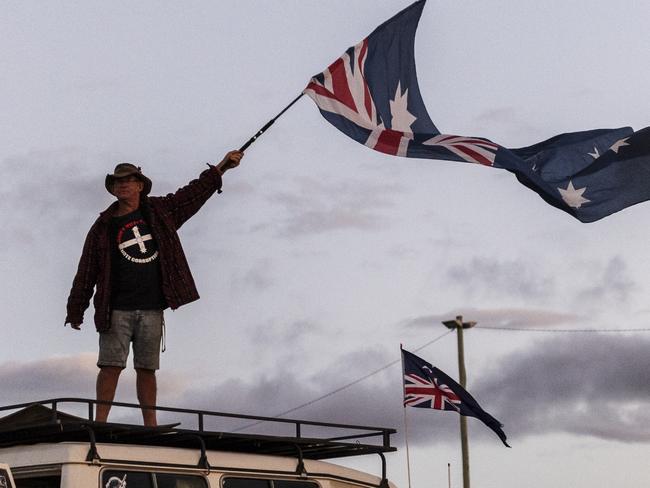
(134, 258)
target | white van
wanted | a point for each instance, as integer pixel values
(44, 447)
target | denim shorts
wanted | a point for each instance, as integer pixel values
(141, 327)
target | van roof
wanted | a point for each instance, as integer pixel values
(22, 458)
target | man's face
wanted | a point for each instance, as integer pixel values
(127, 188)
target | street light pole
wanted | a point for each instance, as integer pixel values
(459, 325)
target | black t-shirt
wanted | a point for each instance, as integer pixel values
(136, 277)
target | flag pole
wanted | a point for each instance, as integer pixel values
(406, 429)
(269, 124)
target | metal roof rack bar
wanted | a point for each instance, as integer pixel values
(44, 421)
(201, 414)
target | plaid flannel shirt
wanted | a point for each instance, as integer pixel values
(165, 216)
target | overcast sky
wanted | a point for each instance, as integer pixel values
(322, 256)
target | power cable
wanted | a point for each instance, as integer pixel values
(392, 363)
(524, 329)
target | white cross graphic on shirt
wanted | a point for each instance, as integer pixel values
(139, 240)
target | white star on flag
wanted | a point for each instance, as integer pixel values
(617, 145)
(573, 197)
(595, 154)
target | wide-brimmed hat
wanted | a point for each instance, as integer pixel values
(127, 169)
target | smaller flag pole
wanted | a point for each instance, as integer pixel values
(268, 124)
(406, 428)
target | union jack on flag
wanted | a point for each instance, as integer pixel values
(425, 386)
(371, 94)
(426, 391)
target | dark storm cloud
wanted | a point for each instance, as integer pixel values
(68, 377)
(589, 384)
(491, 277)
(48, 378)
(318, 208)
(501, 317)
(593, 385)
(375, 401)
(370, 400)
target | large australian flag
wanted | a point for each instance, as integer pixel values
(371, 94)
(425, 386)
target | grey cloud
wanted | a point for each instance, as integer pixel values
(56, 190)
(318, 208)
(321, 220)
(501, 317)
(51, 188)
(511, 122)
(48, 378)
(258, 277)
(593, 385)
(613, 284)
(372, 401)
(51, 175)
(286, 334)
(239, 189)
(70, 377)
(502, 115)
(375, 401)
(491, 277)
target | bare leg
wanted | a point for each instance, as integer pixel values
(146, 387)
(106, 385)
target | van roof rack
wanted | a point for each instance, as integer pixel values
(43, 421)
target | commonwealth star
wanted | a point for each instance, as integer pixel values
(617, 145)
(573, 197)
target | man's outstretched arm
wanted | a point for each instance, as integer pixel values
(186, 201)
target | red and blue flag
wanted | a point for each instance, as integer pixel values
(425, 386)
(371, 94)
